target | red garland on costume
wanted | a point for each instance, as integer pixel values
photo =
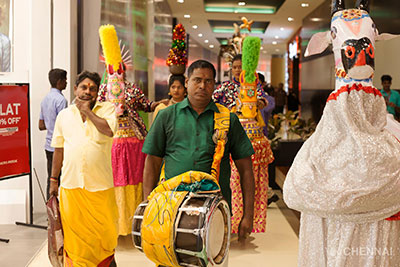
(357, 87)
(177, 57)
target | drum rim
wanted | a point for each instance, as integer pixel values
(144, 204)
(220, 201)
(213, 202)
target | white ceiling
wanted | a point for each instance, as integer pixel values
(279, 25)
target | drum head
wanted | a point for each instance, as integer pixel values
(216, 233)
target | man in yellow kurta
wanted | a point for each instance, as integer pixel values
(82, 139)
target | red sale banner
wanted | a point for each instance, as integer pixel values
(14, 130)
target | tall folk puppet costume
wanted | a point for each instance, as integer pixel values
(345, 180)
(243, 100)
(127, 157)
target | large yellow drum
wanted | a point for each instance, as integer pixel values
(183, 229)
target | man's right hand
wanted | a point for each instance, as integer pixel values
(53, 191)
(245, 227)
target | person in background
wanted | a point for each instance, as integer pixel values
(266, 114)
(392, 97)
(177, 91)
(50, 106)
(292, 101)
(267, 111)
(280, 99)
(269, 89)
(83, 136)
(227, 93)
(128, 99)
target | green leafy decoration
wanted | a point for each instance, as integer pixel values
(251, 52)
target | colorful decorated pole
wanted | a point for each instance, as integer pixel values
(252, 122)
(177, 57)
(113, 60)
(247, 100)
(126, 156)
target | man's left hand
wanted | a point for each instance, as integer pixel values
(245, 227)
(83, 105)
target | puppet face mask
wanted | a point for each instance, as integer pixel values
(352, 35)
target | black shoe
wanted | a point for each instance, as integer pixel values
(274, 198)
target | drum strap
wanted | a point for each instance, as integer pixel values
(220, 137)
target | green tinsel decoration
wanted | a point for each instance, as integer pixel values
(251, 52)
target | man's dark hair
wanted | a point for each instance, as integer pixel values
(386, 78)
(55, 75)
(261, 77)
(179, 78)
(237, 57)
(94, 76)
(201, 64)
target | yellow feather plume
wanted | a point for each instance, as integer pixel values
(111, 49)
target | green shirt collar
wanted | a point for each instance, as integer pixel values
(186, 104)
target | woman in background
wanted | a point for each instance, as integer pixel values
(177, 91)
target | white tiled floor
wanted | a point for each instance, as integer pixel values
(275, 248)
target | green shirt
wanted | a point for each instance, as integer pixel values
(184, 139)
(394, 98)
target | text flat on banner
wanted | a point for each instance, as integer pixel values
(14, 130)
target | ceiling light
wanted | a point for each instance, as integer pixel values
(305, 5)
(282, 29)
(180, 1)
(290, 19)
(277, 50)
(213, 8)
(274, 42)
(211, 46)
(186, 16)
(316, 19)
(200, 35)
(276, 37)
(242, 3)
(264, 52)
(194, 26)
(206, 41)
(261, 48)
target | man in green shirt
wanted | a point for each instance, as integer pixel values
(182, 135)
(392, 98)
